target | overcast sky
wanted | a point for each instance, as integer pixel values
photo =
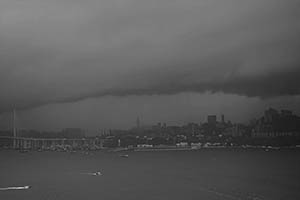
(101, 63)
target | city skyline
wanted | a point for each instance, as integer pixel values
(14, 123)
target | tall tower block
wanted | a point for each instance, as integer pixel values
(138, 122)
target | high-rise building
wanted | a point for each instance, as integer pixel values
(222, 119)
(286, 113)
(73, 133)
(212, 120)
(138, 125)
(270, 115)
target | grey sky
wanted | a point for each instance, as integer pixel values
(68, 51)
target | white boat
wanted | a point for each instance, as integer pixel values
(26, 187)
(98, 173)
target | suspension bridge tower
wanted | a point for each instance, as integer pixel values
(14, 129)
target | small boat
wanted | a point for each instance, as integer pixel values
(97, 174)
(124, 155)
(26, 187)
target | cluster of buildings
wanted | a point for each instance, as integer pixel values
(275, 126)
(272, 128)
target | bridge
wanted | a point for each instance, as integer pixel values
(48, 143)
(16, 142)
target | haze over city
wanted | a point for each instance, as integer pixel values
(102, 64)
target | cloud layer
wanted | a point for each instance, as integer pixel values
(66, 51)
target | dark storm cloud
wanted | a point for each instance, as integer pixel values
(66, 51)
(264, 86)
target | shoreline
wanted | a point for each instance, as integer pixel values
(206, 148)
(167, 148)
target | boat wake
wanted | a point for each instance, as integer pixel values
(26, 187)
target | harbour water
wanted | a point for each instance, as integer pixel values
(207, 174)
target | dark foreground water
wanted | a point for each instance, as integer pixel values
(206, 174)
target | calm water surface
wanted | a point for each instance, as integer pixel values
(207, 174)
